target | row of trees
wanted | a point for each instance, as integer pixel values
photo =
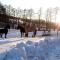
(50, 13)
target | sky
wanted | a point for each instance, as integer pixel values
(35, 4)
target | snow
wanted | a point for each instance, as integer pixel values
(30, 34)
(38, 48)
(39, 33)
(48, 49)
(15, 54)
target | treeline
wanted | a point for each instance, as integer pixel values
(8, 14)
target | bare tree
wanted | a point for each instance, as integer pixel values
(46, 17)
(19, 12)
(55, 14)
(40, 14)
(24, 13)
(50, 17)
(30, 13)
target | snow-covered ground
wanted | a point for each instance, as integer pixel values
(39, 48)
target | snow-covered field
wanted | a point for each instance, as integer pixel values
(38, 48)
